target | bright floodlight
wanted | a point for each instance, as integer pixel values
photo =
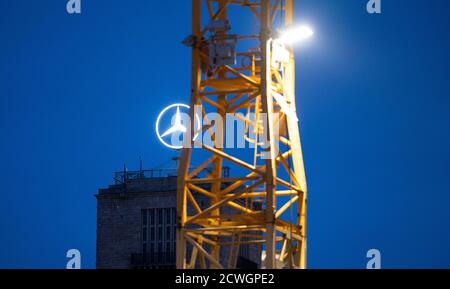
(295, 34)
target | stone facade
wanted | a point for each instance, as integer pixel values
(119, 211)
(120, 227)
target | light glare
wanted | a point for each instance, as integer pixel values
(295, 34)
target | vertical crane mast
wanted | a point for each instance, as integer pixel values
(251, 76)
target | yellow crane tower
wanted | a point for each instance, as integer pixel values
(264, 203)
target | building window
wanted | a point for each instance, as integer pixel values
(152, 216)
(158, 236)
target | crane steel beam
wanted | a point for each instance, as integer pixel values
(264, 203)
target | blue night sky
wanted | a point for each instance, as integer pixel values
(79, 95)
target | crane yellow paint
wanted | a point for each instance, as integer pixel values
(277, 184)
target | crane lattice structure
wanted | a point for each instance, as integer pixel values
(265, 204)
